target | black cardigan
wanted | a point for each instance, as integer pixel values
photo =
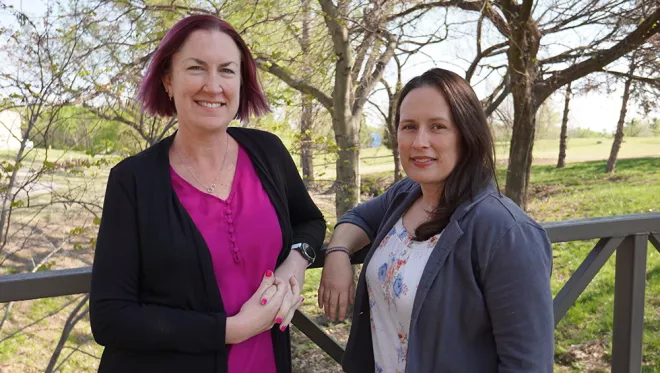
(155, 303)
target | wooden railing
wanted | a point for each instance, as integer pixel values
(628, 235)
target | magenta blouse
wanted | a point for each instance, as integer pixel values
(244, 238)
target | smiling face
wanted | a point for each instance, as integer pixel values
(204, 79)
(429, 140)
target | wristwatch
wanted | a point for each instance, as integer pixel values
(306, 251)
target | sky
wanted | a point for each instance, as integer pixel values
(597, 111)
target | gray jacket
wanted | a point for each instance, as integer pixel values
(484, 302)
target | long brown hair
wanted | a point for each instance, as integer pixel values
(475, 169)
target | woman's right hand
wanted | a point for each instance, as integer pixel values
(257, 315)
(337, 288)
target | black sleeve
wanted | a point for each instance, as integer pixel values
(307, 220)
(117, 316)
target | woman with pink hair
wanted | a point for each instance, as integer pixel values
(205, 236)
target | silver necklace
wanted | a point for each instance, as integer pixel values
(211, 188)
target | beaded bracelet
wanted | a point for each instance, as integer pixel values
(332, 249)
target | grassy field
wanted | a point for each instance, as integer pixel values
(545, 152)
(588, 149)
(579, 191)
(583, 338)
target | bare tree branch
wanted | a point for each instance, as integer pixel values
(296, 83)
(69, 324)
(20, 330)
(650, 81)
(489, 52)
(643, 32)
(492, 102)
(369, 80)
(361, 53)
(475, 5)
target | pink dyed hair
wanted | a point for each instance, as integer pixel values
(152, 93)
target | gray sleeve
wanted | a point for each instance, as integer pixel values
(369, 215)
(519, 300)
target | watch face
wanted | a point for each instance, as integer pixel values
(310, 251)
(306, 250)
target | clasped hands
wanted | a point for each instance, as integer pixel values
(274, 302)
(278, 296)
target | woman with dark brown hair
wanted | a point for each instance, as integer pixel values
(456, 277)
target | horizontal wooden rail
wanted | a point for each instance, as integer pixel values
(628, 234)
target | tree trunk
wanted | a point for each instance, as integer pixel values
(390, 121)
(306, 116)
(522, 134)
(306, 141)
(618, 136)
(522, 143)
(347, 135)
(397, 163)
(563, 137)
(348, 184)
(391, 128)
(523, 68)
(344, 122)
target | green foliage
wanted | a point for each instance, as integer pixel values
(46, 266)
(75, 128)
(642, 127)
(375, 184)
(584, 133)
(654, 126)
(78, 231)
(18, 203)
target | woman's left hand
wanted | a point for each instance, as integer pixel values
(293, 272)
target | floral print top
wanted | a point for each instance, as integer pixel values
(393, 275)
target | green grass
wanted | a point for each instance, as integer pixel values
(545, 152)
(10, 347)
(589, 149)
(583, 190)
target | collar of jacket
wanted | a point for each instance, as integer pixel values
(257, 154)
(443, 247)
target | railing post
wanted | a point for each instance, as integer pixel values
(318, 336)
(629, 289)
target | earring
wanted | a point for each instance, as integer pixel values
(168, 94)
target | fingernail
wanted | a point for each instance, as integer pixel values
(302, 300)
(282, 328)
(278, 320)
(269, 273)
(264, 301)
